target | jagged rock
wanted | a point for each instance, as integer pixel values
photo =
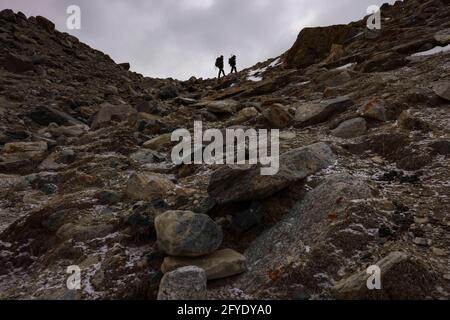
(314, 44)
(109, 113)
(375, 110)
(282, 246)
(228, 185)
(46, 24)
(351, 128)
(442, 89)
(16, 63)
(187, 234)
(126, 66)
(218, 265)
(277, 116)
(314, 113)
(401, 277)
(147, 186)
(159, 142)
(187, 283)
(45, 115)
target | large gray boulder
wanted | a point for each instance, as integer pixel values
(351, 128)
(187, 234)
(288, 245)
(231, 185)
(187, 283)
(316, 112)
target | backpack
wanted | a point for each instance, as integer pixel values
(218, 64)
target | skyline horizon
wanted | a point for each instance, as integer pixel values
(197, 51)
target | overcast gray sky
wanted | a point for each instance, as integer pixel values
(182, 38)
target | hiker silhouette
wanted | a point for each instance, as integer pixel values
(219, 64)
(232, 62)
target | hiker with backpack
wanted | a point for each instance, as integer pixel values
(220, 65)
(232, 62)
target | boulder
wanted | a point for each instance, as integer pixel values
(159, 142)
(443, 37)
(218, 265)
(244, 115)
(230, 185)
(333, 78)
(187, 283)
(314, 44)
(374, 110)
(277, 116)
(126, 66)
(109, 113)
(351, 128)
(148, 186)
(442, 89)
(45, 115)
(313, 113)
(46, 24)
(187, 234)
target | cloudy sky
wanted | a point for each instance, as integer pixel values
(182, 38)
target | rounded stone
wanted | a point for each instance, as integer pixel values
(187, 283)
(187, 234)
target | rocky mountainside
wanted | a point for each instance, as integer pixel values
(87, 180)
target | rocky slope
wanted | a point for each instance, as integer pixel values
(86, 176)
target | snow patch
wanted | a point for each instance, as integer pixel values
(347, 66)
(433, 51)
